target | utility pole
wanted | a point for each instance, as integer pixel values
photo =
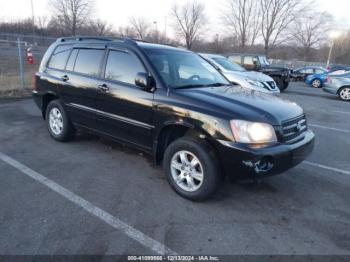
(33, 21)
(330, 54)
(165, 25)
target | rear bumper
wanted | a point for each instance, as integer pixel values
(38, 99)
(243, 161)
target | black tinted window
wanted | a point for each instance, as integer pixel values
(59, 57)
(123, 67)
(88, 61)
(71, 60)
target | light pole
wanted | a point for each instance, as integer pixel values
(33, 21)
(155, 23)
(334, 35)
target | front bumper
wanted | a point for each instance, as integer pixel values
(242, 160)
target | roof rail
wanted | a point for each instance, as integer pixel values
(99, 38)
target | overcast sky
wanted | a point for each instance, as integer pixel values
(118, 12)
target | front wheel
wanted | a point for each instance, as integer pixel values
(344, 93)
(280, 83)
(192, 168)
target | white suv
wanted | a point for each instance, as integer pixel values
(239, 76)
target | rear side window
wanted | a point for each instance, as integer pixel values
(59, 57)
(88, 61)
(123, 67)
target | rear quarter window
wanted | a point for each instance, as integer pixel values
(59, 57)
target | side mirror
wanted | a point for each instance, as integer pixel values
(144, 81)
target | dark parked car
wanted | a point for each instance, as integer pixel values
(254, 62)
(301, 74)
(333, 68)
(172, 104)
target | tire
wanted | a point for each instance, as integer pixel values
(279, 82)
(316, 83)
(58, 123)
(206, 163)
(344, 93)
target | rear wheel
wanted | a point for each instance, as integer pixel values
(58, 124)
(192, 169)
(316, 83)
(344, 93)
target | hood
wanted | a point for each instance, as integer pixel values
(251, 75)
(240, 103)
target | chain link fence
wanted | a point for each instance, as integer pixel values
(16, 67)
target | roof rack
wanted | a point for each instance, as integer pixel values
(98, 38)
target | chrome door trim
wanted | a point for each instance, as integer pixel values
(112, 116)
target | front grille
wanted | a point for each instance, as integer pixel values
(293, 130)
(270, 85)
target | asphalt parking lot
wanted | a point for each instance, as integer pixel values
(92, 196)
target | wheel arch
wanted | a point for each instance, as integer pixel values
(340, 88)
(46, 99)
(174, 130)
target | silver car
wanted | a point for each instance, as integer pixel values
(338, 85)
(239, 76)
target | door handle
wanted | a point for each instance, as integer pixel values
(103, 87)
(65, 78)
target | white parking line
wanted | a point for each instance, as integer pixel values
(330, 128)
(89, 207)
(345, 172)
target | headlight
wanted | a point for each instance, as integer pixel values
(252, 132)
(255, 83)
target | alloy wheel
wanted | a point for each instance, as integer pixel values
(56, 121)
(187, 171)
(316, 83)
(345, 93)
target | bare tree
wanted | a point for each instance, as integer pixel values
(71, 15)
(96, 27)
(141, 26)
(126, 31)
(276, 17)
(243, 20)
(310, 31)
(189, 21)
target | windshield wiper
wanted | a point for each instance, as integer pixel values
(201, 85)
(190, 86)
(216, 84)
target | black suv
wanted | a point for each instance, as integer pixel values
(172, 104)
(259, 63)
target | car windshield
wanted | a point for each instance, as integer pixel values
(227, 64)
(180, 69)
(264, 61)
